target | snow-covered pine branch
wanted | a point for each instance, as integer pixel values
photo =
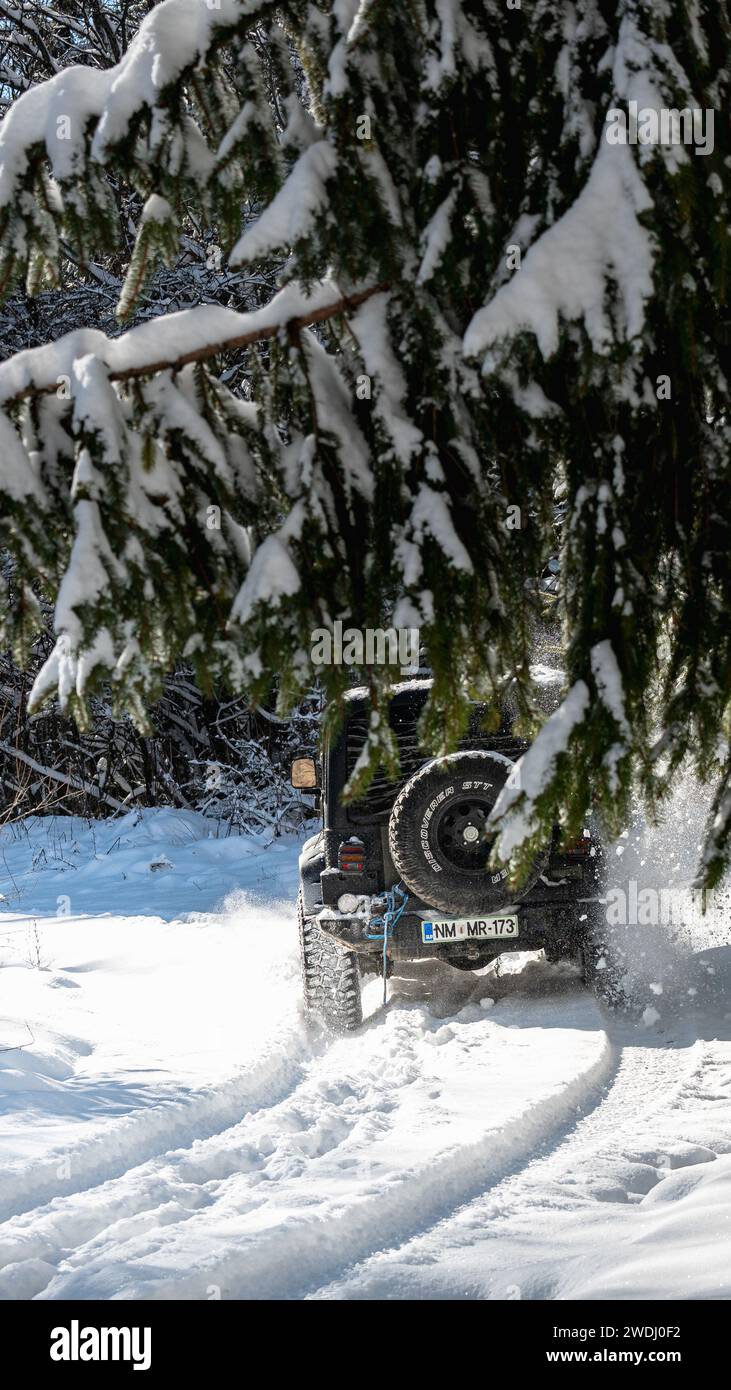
(174, 341)
(556, 315)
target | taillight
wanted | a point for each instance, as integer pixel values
(351, 856)
(580, 846)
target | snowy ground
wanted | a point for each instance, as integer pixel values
(170, 1129)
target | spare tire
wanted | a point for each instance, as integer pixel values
(438, 835)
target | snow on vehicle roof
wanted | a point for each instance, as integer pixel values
(542, 675)
(359, 692)
(547, 675)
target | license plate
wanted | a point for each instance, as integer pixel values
(472, 928)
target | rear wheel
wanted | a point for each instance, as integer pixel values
(330, 977)
(603, 965)
(604, 975)
(602, 961)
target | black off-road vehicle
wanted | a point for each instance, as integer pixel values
(403, 873)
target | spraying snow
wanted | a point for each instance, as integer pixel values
(171, 1129)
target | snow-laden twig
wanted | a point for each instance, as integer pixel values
(193, 335)
(63, 777)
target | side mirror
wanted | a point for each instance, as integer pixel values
(304, 774)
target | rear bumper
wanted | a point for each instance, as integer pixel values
(554, 911)
(540, 924)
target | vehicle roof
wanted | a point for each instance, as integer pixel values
(360, 692)
(542, 675)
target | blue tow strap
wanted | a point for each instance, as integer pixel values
(396, 900)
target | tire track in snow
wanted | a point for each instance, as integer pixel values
(149, 1133)
(508, 1237)
(172, 1115)
(365, 1151)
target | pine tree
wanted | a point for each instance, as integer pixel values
(488, 302)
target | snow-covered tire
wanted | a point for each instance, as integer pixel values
(438, 835)
(330, 977)
(604, 972)
(603, 963)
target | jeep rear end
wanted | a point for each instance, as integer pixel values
(453, 904)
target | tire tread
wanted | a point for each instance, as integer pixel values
(330, 977)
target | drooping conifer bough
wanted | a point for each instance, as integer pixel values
(487, 303)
